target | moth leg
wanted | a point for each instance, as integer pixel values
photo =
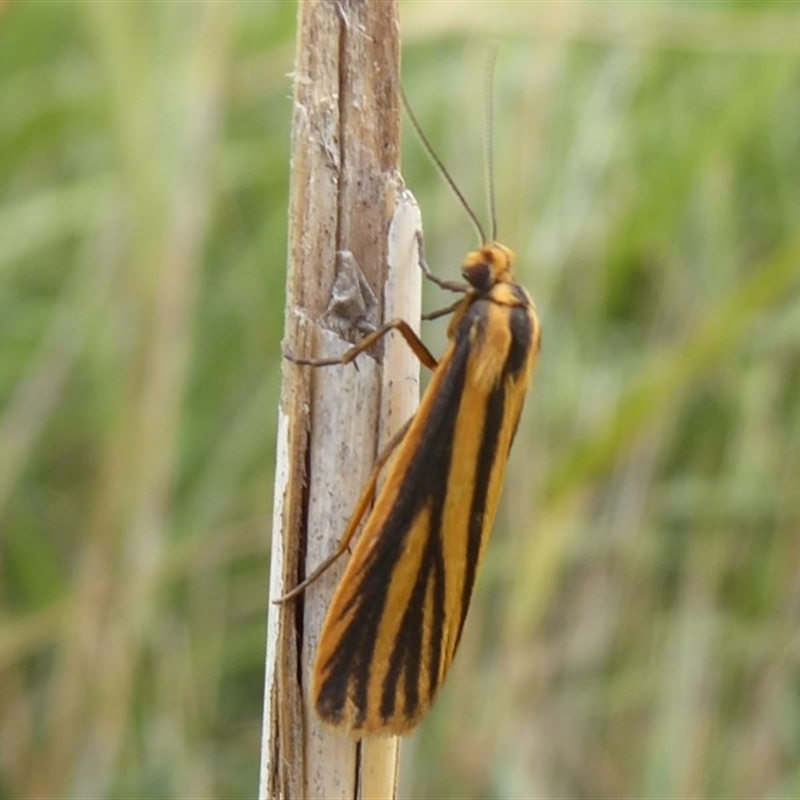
(442, 312)
(361, 508)
(399, 325)
(450, 286)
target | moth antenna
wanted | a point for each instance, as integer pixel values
(442, 169)
(489, 100)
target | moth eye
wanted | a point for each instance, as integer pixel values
(478, 275)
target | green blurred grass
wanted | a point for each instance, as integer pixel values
(635, 631)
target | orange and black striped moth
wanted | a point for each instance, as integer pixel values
(397, 615)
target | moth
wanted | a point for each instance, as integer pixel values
(397, 615)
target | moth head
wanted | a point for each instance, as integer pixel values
(492, 264)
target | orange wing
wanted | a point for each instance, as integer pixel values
(396, 618)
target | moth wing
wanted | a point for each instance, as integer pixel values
(396, 617)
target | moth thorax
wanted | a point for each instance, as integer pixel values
(490, 265)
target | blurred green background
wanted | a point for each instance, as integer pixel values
(635, 629)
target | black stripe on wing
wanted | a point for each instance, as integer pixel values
(424, 484)
(521, 325)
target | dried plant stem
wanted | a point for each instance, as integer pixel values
(352, 230)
